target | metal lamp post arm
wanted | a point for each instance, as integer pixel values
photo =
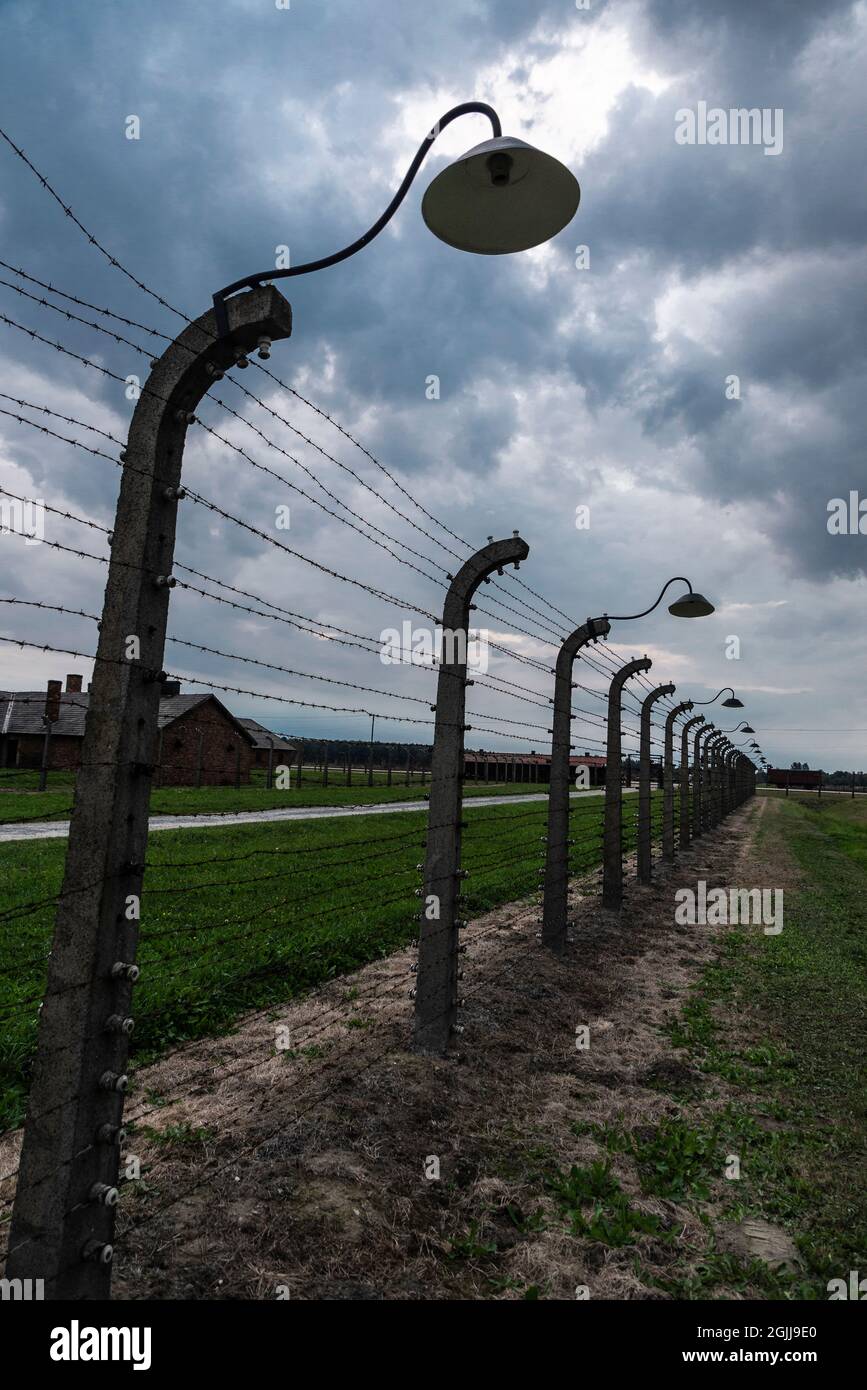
(629, 617)
(716, 696)
(252, 281)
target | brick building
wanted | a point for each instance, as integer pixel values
(199, 741)
(264, 740)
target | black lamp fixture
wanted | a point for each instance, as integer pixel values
(732, 703)
(501, 196)
(689, 605)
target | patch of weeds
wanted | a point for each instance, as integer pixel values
(722, 1271)
(156, 1098)
(611, 1220)
(584, 1184)
(312, 1050)
(472, 1246)
(177, 1136)
(526, 1222)
(676, 1160)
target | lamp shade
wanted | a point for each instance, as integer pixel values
(503, 195)
(691, 605)
(747, 729)
(733, 703)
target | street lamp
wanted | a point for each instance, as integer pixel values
(732, 703)
(501, 196)
(689, 605)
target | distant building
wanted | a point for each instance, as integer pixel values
(527, 767)
(285, 751)
(802, 779)
(199, 740)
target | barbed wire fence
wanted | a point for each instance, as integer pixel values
(201, 938)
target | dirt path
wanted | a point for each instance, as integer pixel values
(302, 1173)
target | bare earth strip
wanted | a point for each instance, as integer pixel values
(304, 1171)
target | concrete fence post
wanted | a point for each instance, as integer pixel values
(63, 1217)
(436, 981)
(707, 791)
(557, 848)
(612, 849)
(699, 781)
(731, 770)
(705, 737)
(708, 755)
(686, 801)
(698, 788)
(644, 855)
(723, 807)
(714, 750)
(668, 779)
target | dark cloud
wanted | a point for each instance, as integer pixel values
(262, 128)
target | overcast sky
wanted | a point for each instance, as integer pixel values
(562, 385)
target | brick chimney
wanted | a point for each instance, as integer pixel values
(52, 701)
(73, 685)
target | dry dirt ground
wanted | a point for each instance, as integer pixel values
(300, 1171)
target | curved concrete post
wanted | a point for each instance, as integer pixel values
(726, 780)
(557, 848)
(668, 779)
(702, 790)
(724, 805)
(731, 796)
(436, 985)
(643, 848)
(714, 749)
(685, 803)
(62, 1231)
(612, 849)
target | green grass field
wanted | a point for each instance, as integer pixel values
(20, 801)
(797, 1066)
(234, 918)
